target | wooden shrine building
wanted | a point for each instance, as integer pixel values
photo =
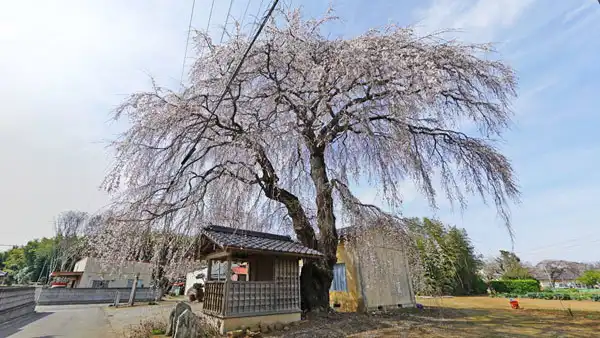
(270, 291)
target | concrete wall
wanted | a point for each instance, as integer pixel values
(118, 276)
(16, 302)
(58, 296)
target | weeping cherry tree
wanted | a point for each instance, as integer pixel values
(306, 118)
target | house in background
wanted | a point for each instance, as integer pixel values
(3, 276)
(567, 279)
(90, 273)
(371, 272)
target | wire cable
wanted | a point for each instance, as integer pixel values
(187, 42)
(245, 12)
(212, 5)
(259, 8)
(554, 247)
(235, 72)
(226, 20)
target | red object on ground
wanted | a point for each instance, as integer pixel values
(514, 304)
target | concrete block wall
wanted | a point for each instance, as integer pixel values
(58, 296)
(16, 302)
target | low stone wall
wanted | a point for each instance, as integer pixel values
(16, 302)
(59, 296)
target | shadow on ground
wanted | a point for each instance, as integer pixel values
(15, 326)
(450, 322)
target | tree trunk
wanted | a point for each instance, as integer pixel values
(315, 281)
(317, 274)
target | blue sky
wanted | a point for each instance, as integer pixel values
(65, 65)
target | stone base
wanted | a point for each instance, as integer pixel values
(235, 323)
(407, 305)
(16, 312)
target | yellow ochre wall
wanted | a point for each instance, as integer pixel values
(351, 300)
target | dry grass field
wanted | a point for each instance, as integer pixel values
(502, 303)
(463, 317)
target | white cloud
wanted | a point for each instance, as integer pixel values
(480, 20)
(64, 66)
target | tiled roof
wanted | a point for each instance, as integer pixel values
(254, 240)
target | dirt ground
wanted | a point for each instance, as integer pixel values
(500, 303)
(460, 317)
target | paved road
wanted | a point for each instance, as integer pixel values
(87, 321)
(65, 321)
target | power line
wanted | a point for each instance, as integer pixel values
(259, 9)
(226, 20)
(187, 42)
(212, 5)
(235, 72)
(245, 12)
(558, 246)
(577, 239)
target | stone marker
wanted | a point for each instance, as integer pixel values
(175, 313)
(188, 326)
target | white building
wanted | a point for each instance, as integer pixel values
(90, 273)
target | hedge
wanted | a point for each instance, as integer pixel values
(550, 296)
(518, 286)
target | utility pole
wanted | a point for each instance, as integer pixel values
(133, 289)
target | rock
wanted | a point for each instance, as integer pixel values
(188, 326)
(175, 313)
(286, 328)
(278, 326)
(264, 328)
(254, 328)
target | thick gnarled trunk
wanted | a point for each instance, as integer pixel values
(315, 280)
(317, 275)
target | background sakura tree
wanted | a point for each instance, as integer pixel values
(305, 118)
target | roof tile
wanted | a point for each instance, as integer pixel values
(254, 240)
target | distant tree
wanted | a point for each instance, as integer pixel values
(491, 269)
(467, 263)
(31, 262)
(590, 278)
(447, 258)
(14, 262)
(69, 227)
(510, 267)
